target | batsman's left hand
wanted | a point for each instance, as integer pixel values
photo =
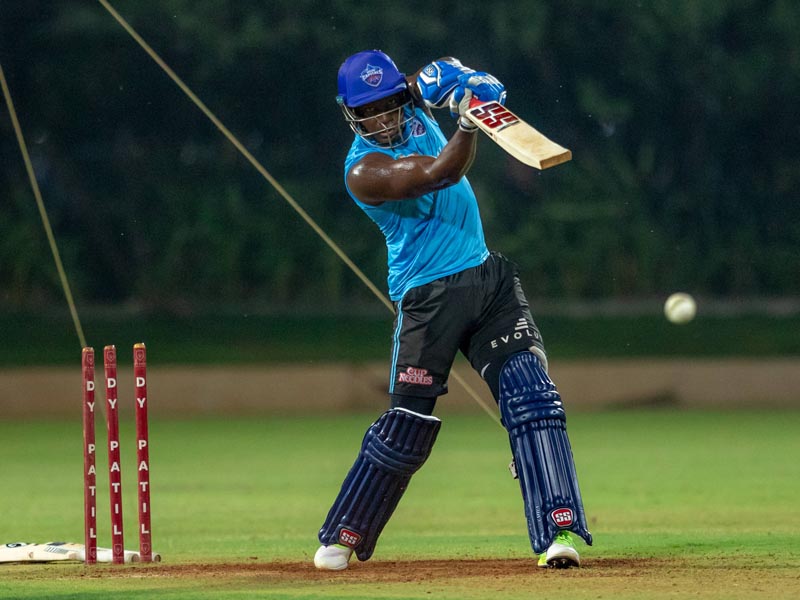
(437, 81)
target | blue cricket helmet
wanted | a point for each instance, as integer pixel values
(368, 76)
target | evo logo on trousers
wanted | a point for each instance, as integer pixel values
(522, 331)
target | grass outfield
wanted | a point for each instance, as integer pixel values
(681, 504)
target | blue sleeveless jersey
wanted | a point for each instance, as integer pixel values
(427, 237)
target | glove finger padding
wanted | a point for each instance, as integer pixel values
(485, 86)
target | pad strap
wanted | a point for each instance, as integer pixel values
(394, 448)
(531, 410)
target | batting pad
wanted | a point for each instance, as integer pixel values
(394, 448)
(531, 410)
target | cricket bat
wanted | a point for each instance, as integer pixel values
(59, 551)
(515, 136)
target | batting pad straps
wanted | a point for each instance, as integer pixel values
(531, 410)
(394, 448)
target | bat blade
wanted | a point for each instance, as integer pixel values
(517, 137)
(59, 551)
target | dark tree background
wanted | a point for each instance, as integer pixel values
(681, 115)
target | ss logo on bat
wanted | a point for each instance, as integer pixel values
(494, 115)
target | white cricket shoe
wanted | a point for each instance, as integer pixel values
(333, 558)
(561, 554)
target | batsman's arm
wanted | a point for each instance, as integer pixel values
(379, 178)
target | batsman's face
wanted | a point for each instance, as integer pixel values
(381, 119)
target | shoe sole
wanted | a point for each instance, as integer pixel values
(561, 562)
(323, 567)
(562, 556)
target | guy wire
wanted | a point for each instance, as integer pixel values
(278, 187)
(42, 211)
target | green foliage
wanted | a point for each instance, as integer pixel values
(680, 116)
(242, 338)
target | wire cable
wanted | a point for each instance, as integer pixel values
(62, 275)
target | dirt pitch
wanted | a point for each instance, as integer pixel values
(725, 578)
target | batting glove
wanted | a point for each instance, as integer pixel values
(437, 81)
(485, 87)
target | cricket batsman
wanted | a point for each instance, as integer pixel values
(451, 294)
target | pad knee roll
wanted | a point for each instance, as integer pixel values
(532, 412)
(394, 448)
